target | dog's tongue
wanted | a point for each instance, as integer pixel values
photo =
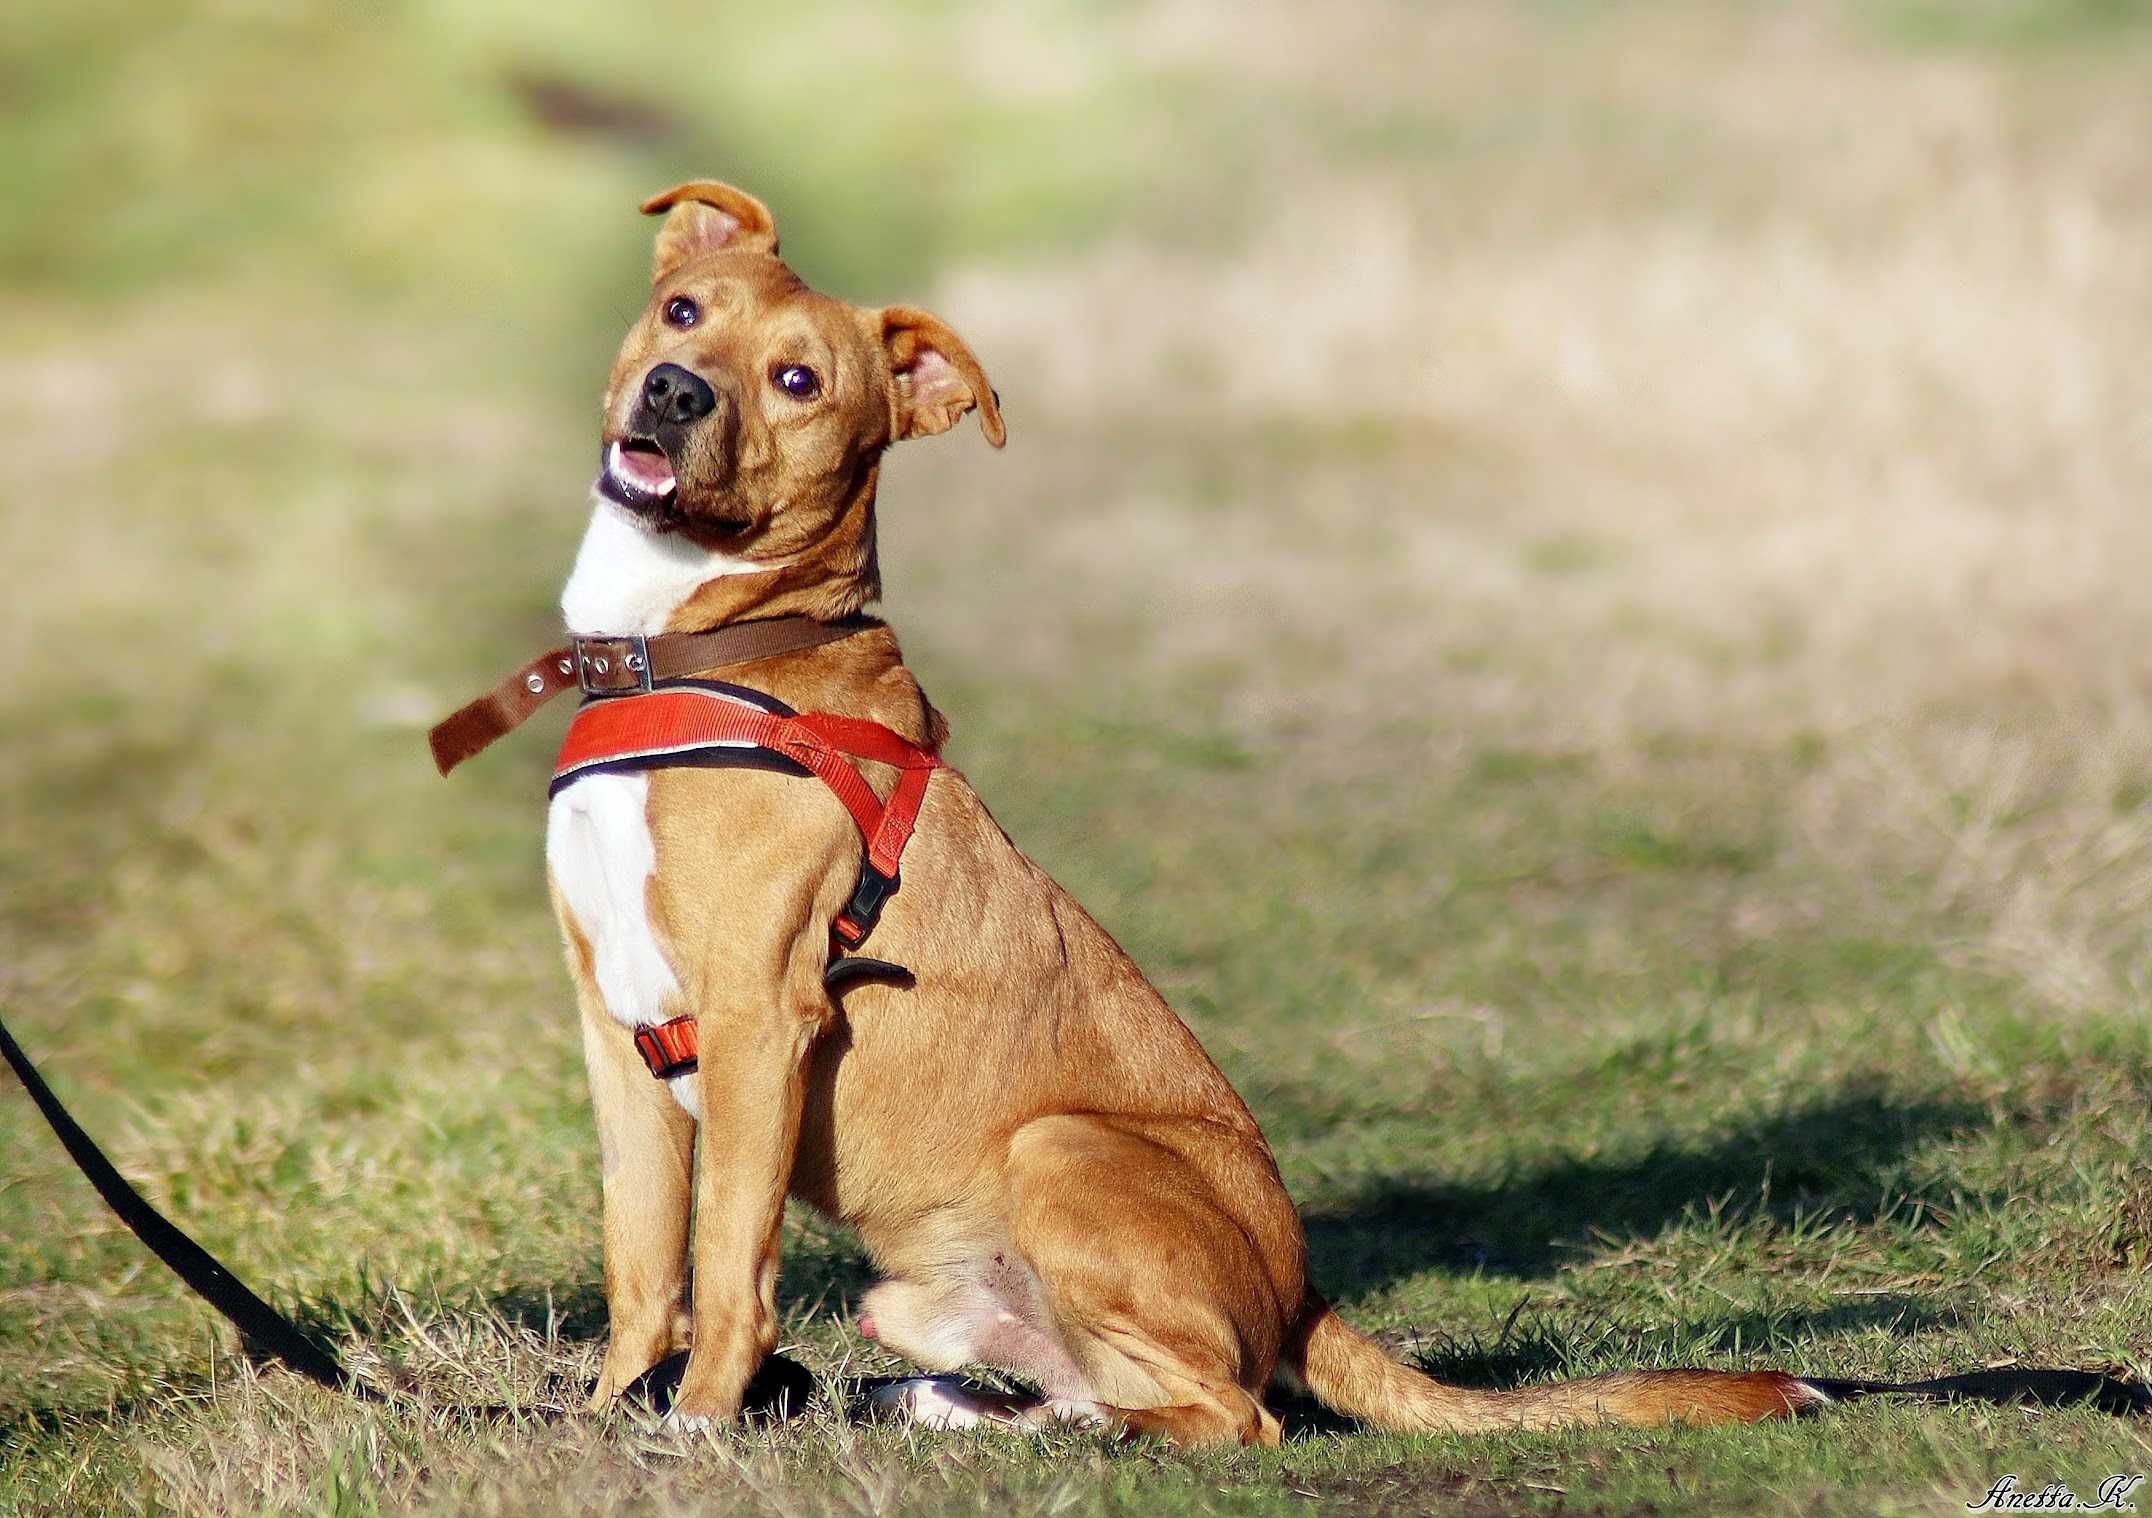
(644, 468)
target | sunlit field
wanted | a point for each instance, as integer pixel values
(1570, 579)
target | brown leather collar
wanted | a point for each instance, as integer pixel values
(617, 666)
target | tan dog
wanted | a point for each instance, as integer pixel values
(1052, 1176)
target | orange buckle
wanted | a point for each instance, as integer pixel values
(668, 1048)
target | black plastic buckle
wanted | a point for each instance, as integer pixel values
(861, 913)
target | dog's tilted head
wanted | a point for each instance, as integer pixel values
(746, 410)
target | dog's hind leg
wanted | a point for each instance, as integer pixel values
(1157, 1290)
(986, 1310)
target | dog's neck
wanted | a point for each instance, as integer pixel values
(628, 579)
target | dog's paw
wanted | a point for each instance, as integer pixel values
(653, 1390)
(677, 1423)
(782, 1388)
(1070, 1412)
(945, 1402)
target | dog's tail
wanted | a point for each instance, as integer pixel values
(1351, 1374)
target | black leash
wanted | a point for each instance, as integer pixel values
(780, 1388)
(264, 1330)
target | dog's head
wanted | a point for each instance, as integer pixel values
(747, 411)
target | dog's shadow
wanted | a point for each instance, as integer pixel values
(1842, 1157)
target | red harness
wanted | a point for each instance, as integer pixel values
(708, 724)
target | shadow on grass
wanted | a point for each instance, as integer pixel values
(814, 1281)
(1555, 1346)
(1838, 1158)
(575, 1310)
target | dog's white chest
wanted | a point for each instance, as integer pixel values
(601, 856)
(627, 580)
(599, 850)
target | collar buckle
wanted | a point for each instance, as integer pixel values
(613, 666)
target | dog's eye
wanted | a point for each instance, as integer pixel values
(682, 312)
(797, 381)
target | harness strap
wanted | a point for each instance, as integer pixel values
(674, 721)
(698, 723)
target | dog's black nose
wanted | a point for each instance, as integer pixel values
(676, 395)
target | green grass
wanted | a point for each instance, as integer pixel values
(1556, 583)
(2013, 23)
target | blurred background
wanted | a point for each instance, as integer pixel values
(1570, 577)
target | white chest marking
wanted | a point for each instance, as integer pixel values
(629, 580)
(597, 844)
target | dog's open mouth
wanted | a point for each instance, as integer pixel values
(636, 473)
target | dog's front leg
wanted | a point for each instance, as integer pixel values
(752, 1083)
(646, 1153)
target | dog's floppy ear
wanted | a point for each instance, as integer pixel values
(934, 378)
(706, 216)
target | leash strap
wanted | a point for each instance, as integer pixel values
(262, 1328)
(712, 724)
(619, 666)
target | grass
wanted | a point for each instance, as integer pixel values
(1568, 579)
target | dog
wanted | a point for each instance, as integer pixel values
(1051, 1176)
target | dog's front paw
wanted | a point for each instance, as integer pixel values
(681, 1421)
(640, 1367)
(651, 1389)
(691, 1413)
(780, 1388)
(696, 1408)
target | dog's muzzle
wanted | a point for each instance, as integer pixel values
(672, 397)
